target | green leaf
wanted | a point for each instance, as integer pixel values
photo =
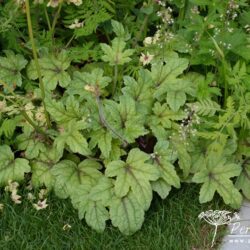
(163, 117)
(41, 168)
(115, 54)
(184, 159)
(11, 168)
(73, 138)
(103, 139)
(53, 70)
(216, 177)
(161, 188)
(69, 176)
(176, 99)
(134, 174)
(32, 142)
(162, 157)
(127, 214)
(95, 78)
(103, 191)
(94, 212)
(124, 118)
(140, 91)
(63, 114)
(165, 76)
(10, 67)
(243, 181)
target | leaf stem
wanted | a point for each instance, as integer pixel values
(55, 19)
(115, 79)
(41, 84)
(22, 111)
(47, 18)
(105, 123)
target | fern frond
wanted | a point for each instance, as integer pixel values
(205, 107)
(91, 13)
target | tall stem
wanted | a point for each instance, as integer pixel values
(215, 232)
(115, 78)
(55, 19)
(41, 85)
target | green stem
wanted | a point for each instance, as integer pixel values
(26, 116)
(182, 12)
(47, 18)
(106, 124)
(55, 19)
(69, 42)
(224, 81)
(41, 85)
(115, 78)
(139, 34)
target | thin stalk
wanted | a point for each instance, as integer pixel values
(22, 111)
(182, 12)
(47, 18)
(69, 42)
(115, 79)
(41, 84)
(106, 124)
(139, 34)
(215, 232)
(55, 19)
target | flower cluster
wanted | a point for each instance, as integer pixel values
(187, 128)
(12, 187)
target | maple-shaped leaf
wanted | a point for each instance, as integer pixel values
(127, 214)
(32, 142)
(11, 168)
(103, 191)
(140, 91)
(84, 81)
(93, 211)
(162, 158)
(243, 181)
(103, 139)
(115, 54)
(72, 137)
(134, 174)
(215, 176)
(162, 118)
(70, 175)
(124, 118)
(169, 85)
(64, 113)
(10, 67)
(184, 158)
(53, 70)
(41, 168)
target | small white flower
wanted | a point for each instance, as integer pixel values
(40, 205)
(53, 3)
(75, 2)
(66, 227)
(146, 58)
(30, 197)
(15, 197)
(12, 186)
(42, 194)
(76, 24)
(148, 40)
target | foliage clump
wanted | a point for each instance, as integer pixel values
(100, 107)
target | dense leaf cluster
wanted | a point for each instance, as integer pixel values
(106, 131)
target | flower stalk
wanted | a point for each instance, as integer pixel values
(41, 84)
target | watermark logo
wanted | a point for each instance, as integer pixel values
(218, 218)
